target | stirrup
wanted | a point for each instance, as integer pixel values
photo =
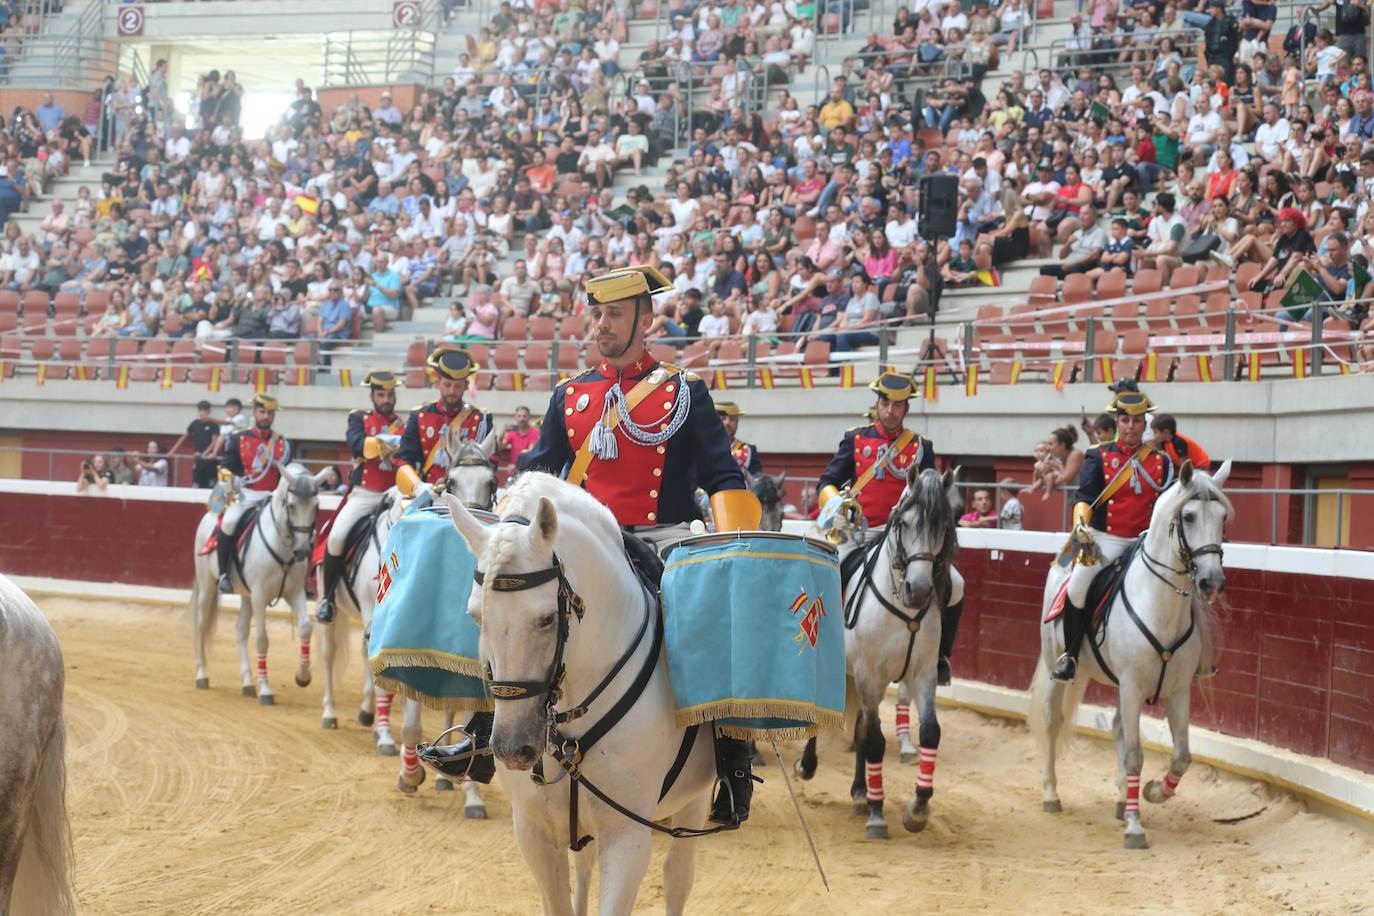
(1066, 669)
(471, 758)
(943, 675)
(324, 611)
(225, 586)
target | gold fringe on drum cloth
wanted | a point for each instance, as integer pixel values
(426, 658)
(715, 711)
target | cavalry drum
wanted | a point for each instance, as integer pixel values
(754, 634)
(424, 642)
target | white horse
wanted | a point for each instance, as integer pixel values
(274, 566)
(472, 480)
(1154, 637)
(560, 608)
(892, 635)
(35, 842)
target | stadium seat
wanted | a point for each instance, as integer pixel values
(417, 352)
(543, 327)
(1182, 278)
(1044, 290)
(536, 359)
(35, 308)
(1111, 285)
(416, 380)
(1077, 288)
(11, 347)
(1217, 273)
(1021, 317)
(516, 327)
(570, 358)
(1125, 316)
(1145, 281)
(507, 361)
(664, 353)
(730, 356)
(815, 357)
(573, 327)
(1214, 309)
(1187, 309)
(1190, 366)
(1245, 275)
(694, 356)
(9, 302)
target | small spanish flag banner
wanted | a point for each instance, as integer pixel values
(1204, 368)
(212, 383)
(307, 203)
(1106, 369)
(345, 378)
(517, 381)
(1150, 372)
(42, 373)
(166, 377)
(122, 377)
(1061, 371)
(766, 378)
(1015, 375)
(847, 375)
(1345, 366)
(1299, 363)
(302, 375)
(971, 381)
(1253, 367)
(431, 376)
(806, 380)
(260, 381)
(82, 373)
(718, 382)
(932, 389)
(4, 368)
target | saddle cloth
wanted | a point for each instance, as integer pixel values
(1101, 591)
(247, 520)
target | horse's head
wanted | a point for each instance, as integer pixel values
(922, 538)
(472, 476)
(1197, 511)
(295, 503)
(769, 492)
(522, 630)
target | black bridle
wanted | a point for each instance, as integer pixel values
(483, 462)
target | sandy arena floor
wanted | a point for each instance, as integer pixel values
(190, 802)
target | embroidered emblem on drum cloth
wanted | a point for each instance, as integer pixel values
(383, 582)
(810, 624)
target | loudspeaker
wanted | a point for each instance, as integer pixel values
(939, 206)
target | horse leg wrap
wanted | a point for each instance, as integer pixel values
(925, 773)
(383, 719)
(903, 719)
(410, 763)
(262, 665)
(305, 650)
(1170, 784)
(874, 774)
(1133, 793)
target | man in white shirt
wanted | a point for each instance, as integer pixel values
(1271, 136)
(517, 292)
(1226, 140)
(18, 268)
(270, 219)
(388, 112)
(564, 230)
(954, 18)
(1040, 194)
(597, 159)
(178, 145)
(901, 228)
(1204, 128)
(1166, 233)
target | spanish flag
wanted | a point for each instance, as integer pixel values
(1061, 370)
(932, 389)
(1151, 369)
(766, 378)
(345, 378)
(1299, 363)
(719, 383)
(517, 380)
(307, 203)
(82, 373)
(4, 368)
(1253, 366)
(806, 380)
(1345, 366)
(122, 377)
(971, 382)
(166, 376)
(1106, 369)
(302, 375)
(42, 373)
(1015, 376)
(213, 382)
(847, 375)
(1204, 368)
(260, 381)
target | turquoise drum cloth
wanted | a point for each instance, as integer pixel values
(754, 632)
(424, 643)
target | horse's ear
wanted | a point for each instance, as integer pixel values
(782, 477)
(545, 521)
(1222, 473)
(950, 477)
(320, 478)
(473, 531)
(488, 445)
(911, 474)
(1185, 473)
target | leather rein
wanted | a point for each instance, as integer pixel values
(289, 562)
(570, 751)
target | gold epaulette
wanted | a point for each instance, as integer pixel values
(687, 374)
(357, 410)
(574, 378)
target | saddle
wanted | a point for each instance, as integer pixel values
(852, 563)
(355, 544)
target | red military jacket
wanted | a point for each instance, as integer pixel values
(862, 447)
(1127, 511)
(254, 456)
(372, 473)
(420, 443)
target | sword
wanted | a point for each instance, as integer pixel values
(787, 780)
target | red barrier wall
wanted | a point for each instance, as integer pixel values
(1297, 663)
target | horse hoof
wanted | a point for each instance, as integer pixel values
(303, 681)
(406, 787)
(876, 832)
(1052, 807)
(386, 750)
(366, 718)
(1137, 841)
(1154, 792)
(442, 784)
(267, 699)
(916, 815)
(202, 683)
(860, 804)
(329, 722)
(802, 771)
(1121, 811)
(248, 692)
(908, 758)
(475, 813)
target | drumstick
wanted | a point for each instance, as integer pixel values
(787, 780)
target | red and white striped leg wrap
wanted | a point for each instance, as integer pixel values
(925, 774)
(1170, 784)
(410, 764)
(305, 650)
(1133, 793)
(875, 781)
(903, 719)
(262, 665)
(468, 781)
(383, 710)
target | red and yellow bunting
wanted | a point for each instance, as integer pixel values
(345, 378)
(766, 378)
(718, 382)
(213, 382)
(1106, 369)
(1061, 373)
(1015, 376)
(971, 382)
(932, 389)
(165, 377)
(260, 381)
(122, 377)
(4, 369)
(1253, 366)
(1204, 368)
(517, 381)
(302, 375)
(847, 375)
(83, 373)
(1300, 363)
(1150, 371)
(806, 380)
(42, 373)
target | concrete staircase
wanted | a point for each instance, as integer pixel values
(64, 189)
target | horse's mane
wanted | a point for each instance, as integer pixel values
(570, 501)
(935, 518)
(765, 487)
(1201, 486)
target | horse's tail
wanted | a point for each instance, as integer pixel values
(1070, 700)
(43, 883)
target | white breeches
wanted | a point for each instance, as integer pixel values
(664, 536)
(229, 522)
(360, 503)
(1112, 547)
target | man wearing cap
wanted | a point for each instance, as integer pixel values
(252, 465)
(373, 437)
(870, 468)
(436, 429)
(1117, 488)
(745, 453)
(641, 437)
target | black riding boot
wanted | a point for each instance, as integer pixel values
(949, 630)
(330, 574)
(471, 758)
(224, 552)
(734, 767)
(1074, 627)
